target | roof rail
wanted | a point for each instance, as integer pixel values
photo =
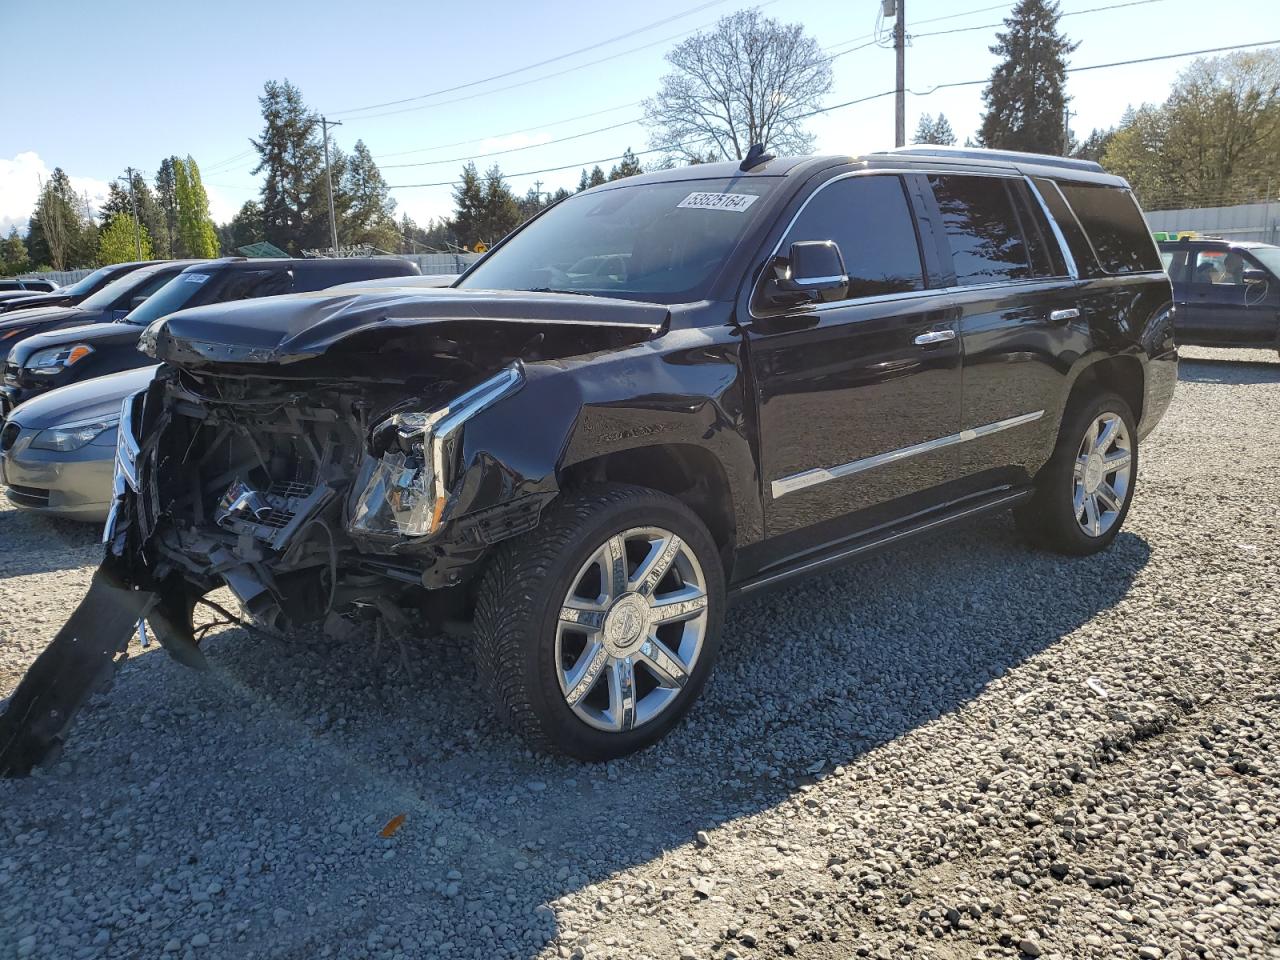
(1007, 156)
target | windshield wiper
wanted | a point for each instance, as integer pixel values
(582, 293)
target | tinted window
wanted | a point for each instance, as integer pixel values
(117, 290)
(1067, 223)
(218, 286)
(986, 242)
(1115, 226)
(672, 238)
(10, 285)
(1042, 246)
(869, 219)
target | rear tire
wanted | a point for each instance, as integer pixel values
(588, 656)
(1082, 495)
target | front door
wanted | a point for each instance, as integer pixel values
(857, 398)
(1221, 307)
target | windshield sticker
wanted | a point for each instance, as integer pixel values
(195, 277)
(734, 202)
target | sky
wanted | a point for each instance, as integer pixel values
(129, 83)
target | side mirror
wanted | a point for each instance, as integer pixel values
(137, 302)
(811, 272)
(1254, 275)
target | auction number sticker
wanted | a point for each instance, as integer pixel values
(733, 202)
(195, 277)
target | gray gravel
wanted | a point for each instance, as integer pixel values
(958, 750)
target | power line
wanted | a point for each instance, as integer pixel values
(541, 63)
(877, 96)
(482, 156)
(510, 133)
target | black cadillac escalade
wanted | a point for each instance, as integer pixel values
(762, 371)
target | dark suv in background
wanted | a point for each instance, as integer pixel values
(111, 302)
(44, 362)
(1227, 292)
(72, 293)
(786, 364)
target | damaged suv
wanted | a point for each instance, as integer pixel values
(763, 370)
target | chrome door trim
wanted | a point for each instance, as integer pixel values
(934, 336)
(810, 478)
(1057, 316)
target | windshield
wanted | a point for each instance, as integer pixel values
(84, 284)
(1269, 257)
(661, 242)
(104, 298)
(177, 293)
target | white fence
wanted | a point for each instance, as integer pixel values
(1245, 221)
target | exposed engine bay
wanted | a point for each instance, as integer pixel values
(302, 497)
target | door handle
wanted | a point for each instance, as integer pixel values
(1062, 316)
(935, 336)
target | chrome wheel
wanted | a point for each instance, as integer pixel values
(631, 629)
(1103, 473)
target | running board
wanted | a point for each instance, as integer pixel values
(846, 552)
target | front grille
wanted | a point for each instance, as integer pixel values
(9, 435)
(27, 496)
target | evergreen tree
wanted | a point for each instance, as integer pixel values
(1094, 145)
(629, 166)
(117, 242)
(290, 153)
(597, 177)
(584, 181)
(246, 227)
(501, 211)
(195, 228)
(13, 254)
(167, 201)
(150, 213)
(1026, 98)
(933, 131)
(469, 207)
(370, 214)
(558, 196)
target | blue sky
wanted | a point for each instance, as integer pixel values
(135, 81)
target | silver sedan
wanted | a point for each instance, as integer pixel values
(57, 451)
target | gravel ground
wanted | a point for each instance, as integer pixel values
(959, 750)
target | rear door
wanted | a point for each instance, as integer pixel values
(856, 398)
(1019, 324)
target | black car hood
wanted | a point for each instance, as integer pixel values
(36, 301)
(94, 334)
(302, 327)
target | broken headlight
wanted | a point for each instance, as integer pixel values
(405, 480)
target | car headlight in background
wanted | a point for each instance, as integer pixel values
(404, 489)
(56, 359)
(72, 436)
(9, 334)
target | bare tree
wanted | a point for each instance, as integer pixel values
(750, 79)
(50, 208)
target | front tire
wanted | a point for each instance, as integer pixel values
(595, 633)
(1082, 495)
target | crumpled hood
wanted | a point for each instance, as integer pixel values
(97, 399)
(297, 327)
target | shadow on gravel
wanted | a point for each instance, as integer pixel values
(31, 543)
(1228, 372)
(275, 773)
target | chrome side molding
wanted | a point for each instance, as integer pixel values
(1058, 316)
(810, 478)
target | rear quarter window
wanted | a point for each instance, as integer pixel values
(1115, 227)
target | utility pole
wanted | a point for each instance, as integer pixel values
(328, 176)
(137, 227)
(900, 97)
